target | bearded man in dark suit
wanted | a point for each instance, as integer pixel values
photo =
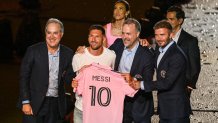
(134, 61)
(170, 63)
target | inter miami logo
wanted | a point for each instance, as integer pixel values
(163, 73)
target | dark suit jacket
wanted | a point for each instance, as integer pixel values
(189, 45)
(143, 64)
(173, 101)
(34, 76)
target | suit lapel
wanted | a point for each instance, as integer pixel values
(136, 60)
(118, 57)
(166, 54)
(44, 58)
(61, 63)
(181, 37)
(156, 57)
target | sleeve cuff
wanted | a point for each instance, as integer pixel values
(142, 85)
(25, 102)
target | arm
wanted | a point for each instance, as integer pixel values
(175, 68)
(195, 65)
(69, 74)
(25, 74)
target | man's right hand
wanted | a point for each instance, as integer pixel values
(27, 109)
(74, 83)
(80, 49)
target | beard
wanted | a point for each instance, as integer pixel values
(94, 46)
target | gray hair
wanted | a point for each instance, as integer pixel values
(133, 21)
(54, 20)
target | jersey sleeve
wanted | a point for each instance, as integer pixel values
(129, 91)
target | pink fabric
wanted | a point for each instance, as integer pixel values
(110, 37)
(103, 92)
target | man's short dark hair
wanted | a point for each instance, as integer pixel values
(163, 24)
(178, 10)
(97, 27)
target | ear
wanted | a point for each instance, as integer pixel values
(138, 34)
(171, 35)
(62, 34)
(181, 20)
(104, 38)
(127, 13)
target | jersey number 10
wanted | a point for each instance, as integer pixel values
(99, 94)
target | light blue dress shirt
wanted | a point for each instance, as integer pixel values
(53, 75)
(127, 59)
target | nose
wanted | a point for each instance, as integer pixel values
(52, 35)
(92, 38)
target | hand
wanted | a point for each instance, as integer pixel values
(80, 49)
(74, 83)
(27, 109)
(189, 89)
(127, 77)
(136, 84)
(144, 42)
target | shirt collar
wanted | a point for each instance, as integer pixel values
(163, 50)
(56, 52)
(176, 37)
(133, 50)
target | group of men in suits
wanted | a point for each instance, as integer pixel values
(46, 66)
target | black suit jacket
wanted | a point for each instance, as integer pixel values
(143, 65)
(34, 76)
(189, 45)
(173, 100)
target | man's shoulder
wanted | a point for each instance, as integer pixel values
(176, 51)
(109, 52)
(118, 43)
(144, 50)
(67, 49)
(38, 45)
(186, 34)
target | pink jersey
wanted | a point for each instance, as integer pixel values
(110, 37)
(103, 92)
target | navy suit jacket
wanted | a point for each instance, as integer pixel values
(34, 76)
(189, 45)
(173, 100)
(143, 65)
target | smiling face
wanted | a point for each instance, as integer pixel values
(129, 35)
(53, 35)
(95, 39)
(162, 36)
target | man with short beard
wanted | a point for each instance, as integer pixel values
(96, 53)
(134, 60)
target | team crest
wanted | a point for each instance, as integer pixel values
(163, 73)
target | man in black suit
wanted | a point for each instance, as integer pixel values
(133, 60)
(189, 44)
(45, 68)
(173, 102)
